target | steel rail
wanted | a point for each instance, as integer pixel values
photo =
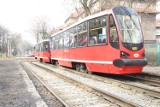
(147, 77)
(113, 97)
(153, 91)
(48, 88)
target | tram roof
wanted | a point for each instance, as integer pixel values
(45, 40)
(105, 12)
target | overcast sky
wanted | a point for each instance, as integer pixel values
(16, 15)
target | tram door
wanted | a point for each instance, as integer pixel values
(113, 38)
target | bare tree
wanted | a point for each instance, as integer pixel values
(40, 28)
(26, 48)
(4, 33)
(100, 5)
(15, 42)
(86, 4)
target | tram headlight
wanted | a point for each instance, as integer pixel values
(124, 54)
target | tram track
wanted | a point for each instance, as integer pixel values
(64, 104)
(131, 92)
(143, 81)
(146, 77)
(95, 97)
(151, 81)
(138, 81)
(46, 95)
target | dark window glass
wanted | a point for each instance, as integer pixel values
(40, 47)
(113, 33)
(97, 31)
(129, 27)
(37, 48)
(66, 39)
(73, 37)
(52, 43)
(60, 42)
(45, 46)
(82, 34)
(56, 43)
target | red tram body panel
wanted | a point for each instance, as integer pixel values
(42, 51)
(107, 42)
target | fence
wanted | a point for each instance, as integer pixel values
(152, 52)
(158, 51)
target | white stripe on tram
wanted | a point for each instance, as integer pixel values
(44, 57)
(86, 61)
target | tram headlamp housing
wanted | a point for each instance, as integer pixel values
(124, 54)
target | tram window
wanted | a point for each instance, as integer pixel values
(37, 47)
(56, 43)
(52, 43)
(73, 37)
(40, 47)
(82, 34)
(113, 34)
(45, 46)
(97, 31)
(66, 39)
(60, 42)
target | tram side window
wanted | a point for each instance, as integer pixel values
(37, 48)
(52, 43)
(66, 39)
(113, 33)
(97, 31)
(73, 37)
(45, 46)
(60, 42)
(56, 43)
(82, 34)
(40, 47)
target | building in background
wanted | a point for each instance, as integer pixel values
(158, 29)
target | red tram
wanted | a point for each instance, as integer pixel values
(107, 42)
(42, 51)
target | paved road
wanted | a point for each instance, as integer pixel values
(16, 89)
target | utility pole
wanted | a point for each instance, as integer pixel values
(8, 46)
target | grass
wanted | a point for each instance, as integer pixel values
(2, 55)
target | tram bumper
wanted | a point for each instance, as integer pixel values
(130, 62)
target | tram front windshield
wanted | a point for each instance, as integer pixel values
(129, 27)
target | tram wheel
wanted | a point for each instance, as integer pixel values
(56, 63)
(77, 67)
(83, 68)
(89, 72)
(41, 60)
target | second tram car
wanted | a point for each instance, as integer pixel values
(107, 42)
(42, 51)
